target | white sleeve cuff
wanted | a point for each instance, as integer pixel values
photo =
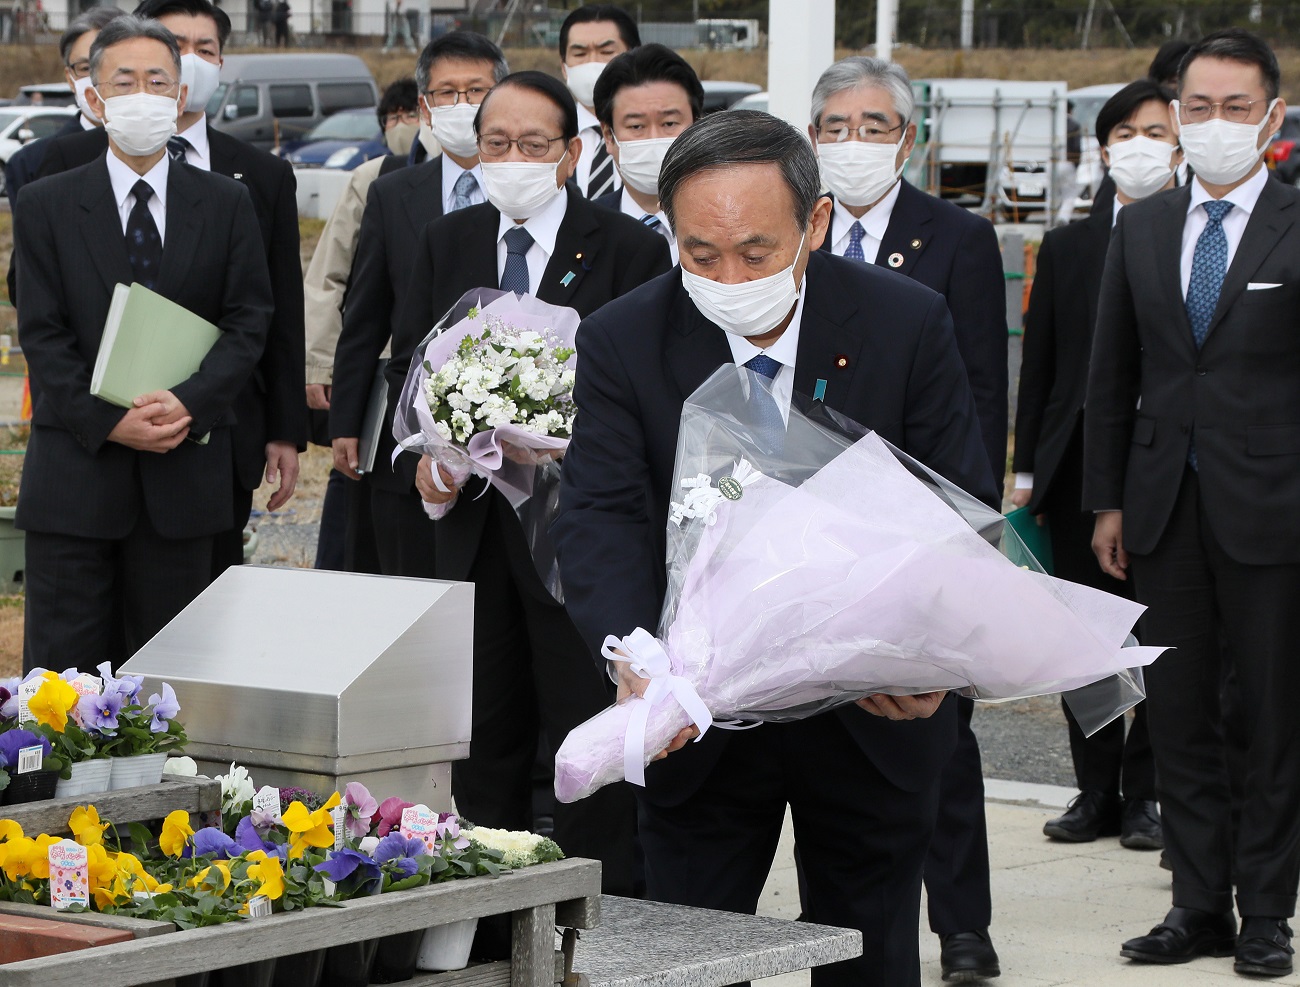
(1024, 481)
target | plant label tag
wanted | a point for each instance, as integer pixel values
(211, 818)
(69, 878)
(87, 685)
(259, 906)
(25, 692)
(340, 814)
(30, 758)
(419, 822)
(267, 802)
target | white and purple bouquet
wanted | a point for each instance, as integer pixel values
(829, 567)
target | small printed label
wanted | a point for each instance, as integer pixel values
(259, 906)
(730, 488)
(340, 814)
(25, 692)
(69, 880)
(267, 802)
(87, 685)
(210, 818)
(419, 822)
(30, 759)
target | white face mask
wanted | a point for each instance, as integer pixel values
(750, 308)
(429, 141)
(859, 173)
(140, 123)
(453, 126)
(202, 77)
(1140, 165)
(79, 92)
(1221, 152)
(521, 189)
(400, 136)
(581, 80)
(639, 162)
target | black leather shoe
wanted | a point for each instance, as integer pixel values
(1089, 815)
(1264, 947)
(968, 957)
(1140, 826)
(1184, 935)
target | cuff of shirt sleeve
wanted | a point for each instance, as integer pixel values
(320, 375)
(1024, 481)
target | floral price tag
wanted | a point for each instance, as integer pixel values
(267, 802)
(419, 822)
(69, 881)
(25, 692)
(87, 685)
(30, 759)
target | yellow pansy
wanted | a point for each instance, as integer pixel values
(52, 702)
(309, 828)
(10, 830)
(176, 833)
(86, 827)
(269, 873)
(206, 876)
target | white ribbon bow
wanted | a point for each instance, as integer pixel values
(649, 660)
(702, 497)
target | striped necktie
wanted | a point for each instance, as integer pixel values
(602, 173)
(176, 148)
(652, 222)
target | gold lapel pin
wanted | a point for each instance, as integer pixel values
(895, 260)
(916, 244)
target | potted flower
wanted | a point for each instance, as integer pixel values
(29, 786)
(83, 766)
(137, 734)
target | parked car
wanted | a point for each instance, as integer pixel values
(270, 99)
(1283, 153)
(342, 141)
(722, 95)
(754, 101)
(21, 125)
(45, 94)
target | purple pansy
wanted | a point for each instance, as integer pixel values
(353, 872)
(12, 741)
(128, 685)
(361, 808)
(100, 712)
(211, 840)
(448, 830)
(164, 708)
(400, 852)
(249, 838)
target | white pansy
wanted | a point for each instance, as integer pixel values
(236, 787)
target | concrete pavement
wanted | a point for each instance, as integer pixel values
(1060, 910)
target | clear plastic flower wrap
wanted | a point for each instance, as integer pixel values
(489, 394)
(806, 573)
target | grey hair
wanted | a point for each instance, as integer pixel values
(742, 137)
(464, 46)
(858, 71)
(127, 28)
(94, 19)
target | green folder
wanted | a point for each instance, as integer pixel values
(149, 344)
(1034, 536)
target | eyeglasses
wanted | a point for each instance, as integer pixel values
(450, 97)
(157, 85)
(872, 133)
(402, 116)
(79, 69)
(1232, 110)
(530, 145)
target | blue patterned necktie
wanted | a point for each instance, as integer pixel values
(854, 249)
(176, 148)
(769, 423)
(515, 276)
(1209, 265)
(651, 221)
(464, 188)
(143, 241)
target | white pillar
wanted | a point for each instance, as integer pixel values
(800, 47)
(967, 24)
(886, 16)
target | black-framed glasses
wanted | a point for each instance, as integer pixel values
(401, 116)
(156, 85)
(450, 97)
(79, 69)
(530, 145)
(873, 132)
(1232, 110)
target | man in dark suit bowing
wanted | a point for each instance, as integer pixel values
(863, 132)
(119, 508)
(1139, 147)
(1192, 465)
(535, 236)
(743, 193)
(453, 75)
(270, 420)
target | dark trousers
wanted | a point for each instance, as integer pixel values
(1201, 599)
(862, 842)
(94, 599)
(360, 548)
(534, 673)
(1106, 762)
(404, 535)
(228, 546)
(957, 865)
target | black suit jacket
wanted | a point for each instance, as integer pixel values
(956, 253)
(1240, 393)
(611, 200)
(270, 406)
(1058, 341)
(644, 354)
(21, 169)
(72, 254)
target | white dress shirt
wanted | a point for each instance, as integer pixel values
(199, 153)
(451, 173)
(1243, 198)
(544, 228)
(123, 180)
(589, 131)
(86, 122)
(874, 223)
(628, 206)
(784, 351)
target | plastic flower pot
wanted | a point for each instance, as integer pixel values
(395, 957)
(88, 778)
(259, 974)
(135, 771)
(300, 969)
(349, 965)
(447, 947)
(30, 787)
